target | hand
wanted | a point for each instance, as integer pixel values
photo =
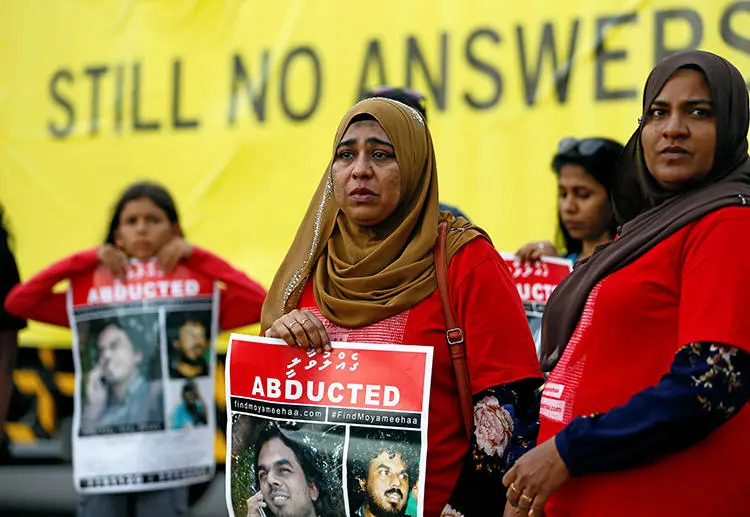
(172, 252)
(534, 477)
(512, 512)
(96, 393)
(533, 251)
(255, 506)
(302, 329)
(114, 259)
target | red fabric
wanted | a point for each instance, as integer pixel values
(690, 287)
(34, 298)
(241, 298)
(499, 350)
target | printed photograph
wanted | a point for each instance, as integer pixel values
(188, 403)
(121, 382)
(286, 469)
(189, 339)
(383, 472)
(534, 313)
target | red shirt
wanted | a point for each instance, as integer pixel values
(499, 350)
(690, 287)
(241, 298)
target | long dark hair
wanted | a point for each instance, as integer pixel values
(599, 166)
(144, 189)
(313, 468)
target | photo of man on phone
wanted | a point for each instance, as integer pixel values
(117, 395)
(291, 480)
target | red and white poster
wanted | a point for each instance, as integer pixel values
(535, 282)
(144, 356)
(340, 434)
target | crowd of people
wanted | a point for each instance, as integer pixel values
(645, 358)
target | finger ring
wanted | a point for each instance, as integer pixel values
(526, 499)
(513, 487)
(295, 322)
(304, 320)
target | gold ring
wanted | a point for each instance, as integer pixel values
(526, 499)
(513, 487)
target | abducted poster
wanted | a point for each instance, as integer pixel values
(535, 282)
(144, 359)
(338, 434)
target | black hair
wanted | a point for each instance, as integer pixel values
(362, 116)
(189, 386)
(312, 462)
(182, 318)
(134, 329)
(142, 331)
(601, 167)
(366, 444)
(144, 189)
(402, 95)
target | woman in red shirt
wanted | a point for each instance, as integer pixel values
(361, 268)
(145, 225)
(649, 341)
(585, 219)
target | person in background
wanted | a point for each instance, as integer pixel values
(584, 170)
(362, 269)
(10, 325)
(645, 409)
(416, 100)
(144, 225)
(191, 411)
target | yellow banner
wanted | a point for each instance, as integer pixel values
(233, 104)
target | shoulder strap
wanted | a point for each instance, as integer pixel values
(454, 335)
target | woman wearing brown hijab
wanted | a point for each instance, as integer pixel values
(648, 340)
(361, 268)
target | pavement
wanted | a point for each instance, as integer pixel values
(47, 491)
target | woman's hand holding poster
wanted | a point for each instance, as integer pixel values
(326, 434)
(144, 358)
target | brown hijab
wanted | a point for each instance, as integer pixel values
(365, 274)
(656, 212)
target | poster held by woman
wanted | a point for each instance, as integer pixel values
(362, 269)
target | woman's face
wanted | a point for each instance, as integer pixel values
(679, 134)
(144, 228)
(366, 177)
(583, 203)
